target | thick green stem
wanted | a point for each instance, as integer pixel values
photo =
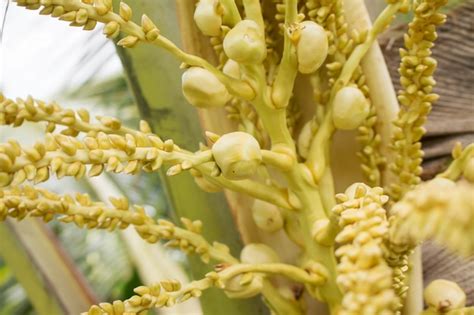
(307, 201)
(288, 68)
(231, 12)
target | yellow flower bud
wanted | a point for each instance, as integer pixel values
(350, 108)
(111, 29)
(312, 47)
(125, 11)
(202, 89)
(128, 41)
(267, 216)
(468, 172)
(147, 24)
(245, 43)
(444, 296)
(207, 17)
(237, 154)
(257, 253)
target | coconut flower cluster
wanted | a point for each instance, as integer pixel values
(364, 274)
(353, 248)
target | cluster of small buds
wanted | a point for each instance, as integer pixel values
(216, 43)
(247, 119)
(439, 209)
(189, 244)
(208, 12)
(416, 71)
(107, 146)
(372, 161)
(86, 14)
(16, 112)
(79, 17)
(236, 280)
(363, 274)
(69, 156)
(22, 201)
(166, 293)
(398, 258)
(330, 15)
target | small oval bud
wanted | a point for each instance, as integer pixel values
(444, 296)
(312, 47)
(350, 108)
(125, 11)
(245, 43)
(237, 154)
(207, 17)
(202, 89)
(267, 216)
(257, 253)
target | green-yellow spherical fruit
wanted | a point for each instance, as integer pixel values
(245, 43)
(350, 108)
(237, 154)
(257, 253)
(444, 296)
(267, 216)
(208, 20)
(312, 47)
(202, 89)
